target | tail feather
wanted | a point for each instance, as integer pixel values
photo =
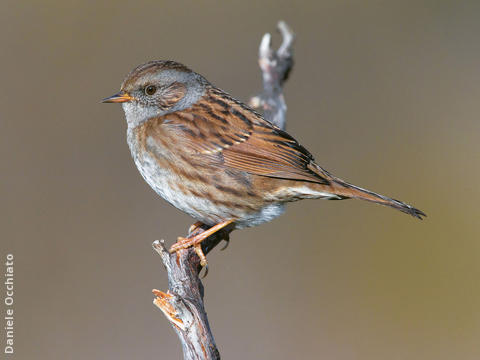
(347, 190)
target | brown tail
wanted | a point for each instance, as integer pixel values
(346, 190)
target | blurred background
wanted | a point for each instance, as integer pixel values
(385, 94)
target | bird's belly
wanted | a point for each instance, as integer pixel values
(175, 191)
(202, 199)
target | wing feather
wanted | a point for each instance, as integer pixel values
(222, 129)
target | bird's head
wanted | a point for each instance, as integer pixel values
(157, 88)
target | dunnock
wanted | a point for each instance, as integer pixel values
(215, 158)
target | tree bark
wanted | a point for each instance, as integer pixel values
(182, 304)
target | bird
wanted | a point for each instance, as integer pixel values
(215, 158)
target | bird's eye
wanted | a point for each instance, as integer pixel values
(150, 90)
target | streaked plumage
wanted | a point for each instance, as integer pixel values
(216, 159)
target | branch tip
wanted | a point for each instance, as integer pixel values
(265, 50)
(288, 38)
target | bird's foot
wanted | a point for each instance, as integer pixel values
(196, 241)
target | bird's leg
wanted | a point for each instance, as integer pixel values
(195, 241)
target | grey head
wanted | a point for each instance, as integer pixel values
(157, 88)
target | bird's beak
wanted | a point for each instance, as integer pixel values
(119, 97)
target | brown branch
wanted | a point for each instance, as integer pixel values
(183, 304)
(275, 66)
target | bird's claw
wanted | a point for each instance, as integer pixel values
(205, 272)
(201, 255)
(194, 227)
(227, 242)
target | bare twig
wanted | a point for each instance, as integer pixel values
(275, 66)
(183, 304)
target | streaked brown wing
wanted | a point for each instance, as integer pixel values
(224, 130)
(272, 152)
